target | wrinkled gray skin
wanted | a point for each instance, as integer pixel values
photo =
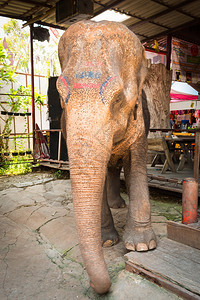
(103, 69)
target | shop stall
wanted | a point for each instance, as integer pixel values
(184, 106)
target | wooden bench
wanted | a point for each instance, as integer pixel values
(159, 147)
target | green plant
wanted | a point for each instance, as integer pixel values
(16, 165)
(19, 100)
(58, 174)
(18, 42)
(7, 71)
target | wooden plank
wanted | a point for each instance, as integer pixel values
(185, 234)
(176, 264)
(173, 247)
(169, 186)
(164, 283)
(165, 187)
(63, 167)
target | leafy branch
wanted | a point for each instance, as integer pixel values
(7, 71)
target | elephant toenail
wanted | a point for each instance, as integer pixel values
(130, 247)
(141, 247)
(107, 243)
(110, 243)
(152, 244)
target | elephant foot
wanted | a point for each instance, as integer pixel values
(140, 238)
(109, 237)
(117, 202)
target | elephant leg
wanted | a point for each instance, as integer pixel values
(127, 169)
(113, 188)
(138, 234)
(109, 235)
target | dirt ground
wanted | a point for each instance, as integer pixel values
(39, 253)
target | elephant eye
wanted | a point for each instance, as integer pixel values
(118, 101)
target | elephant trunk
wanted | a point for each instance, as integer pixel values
(87, 171)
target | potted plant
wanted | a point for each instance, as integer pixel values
(6, 153)
(22, 153)
(14, 153)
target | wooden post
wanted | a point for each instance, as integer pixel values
(59, 145)
(189, 201)
(169, 50)
(196, 156)
(32, 85)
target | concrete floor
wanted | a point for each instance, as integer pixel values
(39, 252)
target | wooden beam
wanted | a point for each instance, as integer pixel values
(37, 3)
(13, 16)
(162, 13)
(32, 11)
(40, 17)
(178, 7)
(171, 31)
(4, 4)
(52, 25)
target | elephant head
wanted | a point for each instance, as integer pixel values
(102, 75)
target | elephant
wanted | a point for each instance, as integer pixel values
(103, 68)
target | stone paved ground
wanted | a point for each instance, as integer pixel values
(39, 253)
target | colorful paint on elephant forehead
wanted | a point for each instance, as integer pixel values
(88, 75)
(93, 64)
(66, 83)
(103, 87)
(78, 85)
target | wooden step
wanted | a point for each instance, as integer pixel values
(172, 265)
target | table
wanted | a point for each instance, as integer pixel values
(197, 146)
(185, 143)
(158, 147)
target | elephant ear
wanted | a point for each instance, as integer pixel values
(142, 72)
(63, 88)
(111, 86)
(135, 76)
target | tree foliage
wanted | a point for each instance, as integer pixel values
(7, 72)
(18, 41)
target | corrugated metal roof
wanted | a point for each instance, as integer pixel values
(149, 19)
